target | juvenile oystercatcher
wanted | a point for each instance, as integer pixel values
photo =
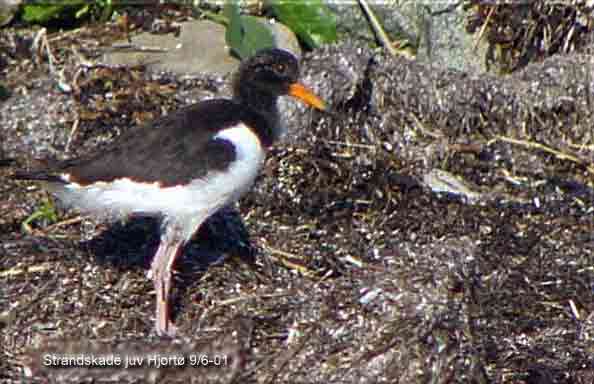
(184, 166)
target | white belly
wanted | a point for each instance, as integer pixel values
(194, 201)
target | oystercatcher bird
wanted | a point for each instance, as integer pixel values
(184, 166)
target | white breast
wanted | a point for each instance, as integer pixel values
(193, 202)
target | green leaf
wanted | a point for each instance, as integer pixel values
(234, 32)
(108, 10)
(43, 12)
(83, 11)
(256, 35)
(46, 212)
(245, 35)
(35, 13)
(311, 20)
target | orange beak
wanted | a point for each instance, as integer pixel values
(308, 97)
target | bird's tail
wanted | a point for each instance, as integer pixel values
(41, 171)
(37, 176)
(6, 162)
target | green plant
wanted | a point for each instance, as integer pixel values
(46, 211)
(311, 20)
(44, 12)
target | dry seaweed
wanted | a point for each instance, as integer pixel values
(343, 265)
(520, 32)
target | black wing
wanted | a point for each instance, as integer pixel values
(173, 150)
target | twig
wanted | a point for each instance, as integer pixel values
(284, 258)
(134, 47)
(31, 269)
(483, 28)
(39, 43)
(424, 129)
(73, 132)
(345, 144)
(64, 223)
(377, 28)
(558, 154)
(235, 300)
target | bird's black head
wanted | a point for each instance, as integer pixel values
(270, 73)
(270, 70)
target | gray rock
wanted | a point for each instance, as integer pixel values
(7, 10)
(199, 48)
(435, 31)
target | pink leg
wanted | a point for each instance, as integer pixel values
(161, 275)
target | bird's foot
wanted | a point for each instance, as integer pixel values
(166, 330)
